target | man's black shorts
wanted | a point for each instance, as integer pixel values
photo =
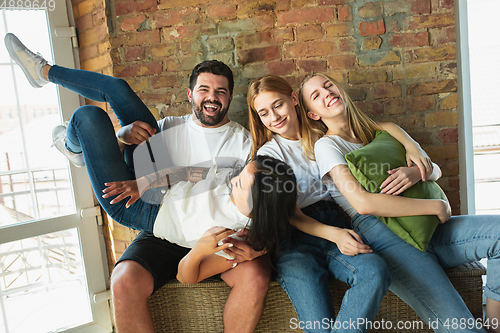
(160, 257)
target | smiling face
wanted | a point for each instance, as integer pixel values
(277, 113)
(241, 189)
(322, 98)
(210, 99)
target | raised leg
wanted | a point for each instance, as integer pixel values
(90, 130)
(102, 88)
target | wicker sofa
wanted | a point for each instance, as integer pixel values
(181, 308)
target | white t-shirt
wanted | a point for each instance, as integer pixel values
(197, 205)
(329, 152)
(189, 144)
(310, 188)
(189, 209)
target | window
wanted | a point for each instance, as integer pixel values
(480, 125)
(51, 257)
(484, 67)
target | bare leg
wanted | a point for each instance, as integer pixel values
(492, 312)
(131, 285)
(249, 282)
(45, 70)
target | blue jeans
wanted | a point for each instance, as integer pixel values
(418, 277)
(305, 267)
(90, 131)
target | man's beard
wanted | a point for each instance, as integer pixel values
(209, 120)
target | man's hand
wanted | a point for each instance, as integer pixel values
(240, 250)
(124, 189)
(135, 133)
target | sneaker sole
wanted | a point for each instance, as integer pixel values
(64, 151)
(13, 55)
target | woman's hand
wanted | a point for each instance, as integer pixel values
(400, 179)
(419, 157)
(240, 250)
(349, 242)
(414, 153)
(124, 189)
(209, 242)
(202, 262)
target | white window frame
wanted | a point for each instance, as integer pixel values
(87, 219)
(465, 139)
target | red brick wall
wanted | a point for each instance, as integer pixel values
(397, 58)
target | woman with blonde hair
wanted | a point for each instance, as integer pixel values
(329, 248)
(417, 277)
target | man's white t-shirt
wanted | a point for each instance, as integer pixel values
(307, 173)
(189, 144)
(198, 205)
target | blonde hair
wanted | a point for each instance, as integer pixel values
(363, 126)
(260, 133)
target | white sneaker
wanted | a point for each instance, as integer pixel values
(59, 140)
(31, 63)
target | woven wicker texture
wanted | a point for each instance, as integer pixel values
(181, 308)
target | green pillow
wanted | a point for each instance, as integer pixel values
(370, 164)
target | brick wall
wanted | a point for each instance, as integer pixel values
(397, 58)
